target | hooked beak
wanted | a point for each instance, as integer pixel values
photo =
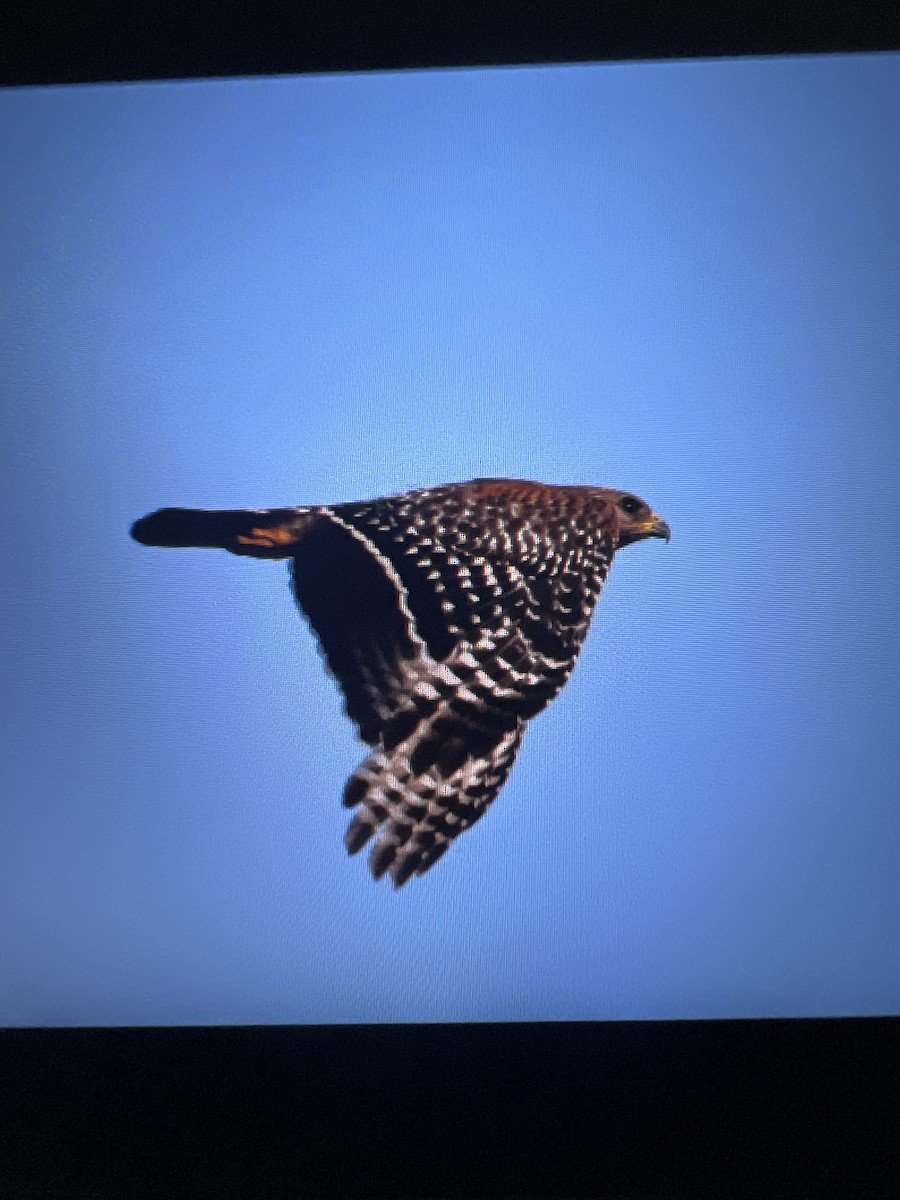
(654, 526)
(657, 527)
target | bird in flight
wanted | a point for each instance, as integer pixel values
(449, 616)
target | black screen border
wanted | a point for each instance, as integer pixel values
(99, 41)
(725, 1109)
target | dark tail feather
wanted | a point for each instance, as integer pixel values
(268, 533)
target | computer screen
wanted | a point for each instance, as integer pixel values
(679, 280)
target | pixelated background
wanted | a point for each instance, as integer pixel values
(679, 279)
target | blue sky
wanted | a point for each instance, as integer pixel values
(680, 279)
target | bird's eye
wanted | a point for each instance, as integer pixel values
(630, 505)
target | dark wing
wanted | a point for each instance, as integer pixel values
(358, 608)
(420, 794)
(259, 532)
(446, 637)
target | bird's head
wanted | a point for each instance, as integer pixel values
(634, 518)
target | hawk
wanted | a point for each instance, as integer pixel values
(450, 617)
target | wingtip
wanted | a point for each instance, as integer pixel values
(146, 529)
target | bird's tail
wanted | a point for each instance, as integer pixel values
(261, 533)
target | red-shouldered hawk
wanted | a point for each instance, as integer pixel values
(449, 616)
